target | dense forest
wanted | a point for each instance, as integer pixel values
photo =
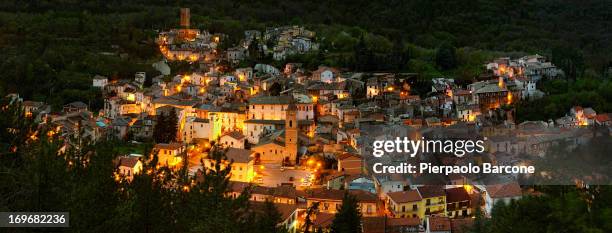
(50, 50)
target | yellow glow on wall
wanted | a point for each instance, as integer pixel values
(471, 117)
(509, 97)
(174, 162)
(131, 97)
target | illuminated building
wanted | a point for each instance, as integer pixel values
(129, 166)
(169, 154)
(330, 201)
(281, 146)
(242, 166)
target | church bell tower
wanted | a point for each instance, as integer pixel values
(291, 133)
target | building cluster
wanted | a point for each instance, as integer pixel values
(289, 40)
(295, 133)
(188, 44)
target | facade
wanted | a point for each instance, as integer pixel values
(330, 201)
(458, 203)
(100, 81)
(242, 164)
(504, 193)
(169, 154)
(129, 166)
(232, 140)
(406, 204)
(281, 146)
(435, 200)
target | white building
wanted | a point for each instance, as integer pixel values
(100, 81)
(196, 128)
(232, 139)
(500, 193)
(273, 108)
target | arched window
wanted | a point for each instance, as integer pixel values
(290, 123)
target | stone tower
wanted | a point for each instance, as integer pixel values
(185, 16)
(291, 133)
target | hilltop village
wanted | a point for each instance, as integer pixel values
(296, 134)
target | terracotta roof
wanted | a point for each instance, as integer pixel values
(403, 221)
(430, 191)
(348, 156)
(234, 134)
(239, 155)
(461, 225)
(439, 224)
(504, 190)
(271, 100)
(238, 187)
(456, 195)
(405, 196)
(285, 191)
(285, 209)
(128, 161)
(338, 195)
(602, 117)
(384, 224)
(323, 220)
(262, 190)
(373, 224)
(168, 146)
(364, 196)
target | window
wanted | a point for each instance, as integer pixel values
(428, 201)
(414, 207)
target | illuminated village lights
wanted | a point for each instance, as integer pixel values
(131, 97)
(509, 97)
(310, 162)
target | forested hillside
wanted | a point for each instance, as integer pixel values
(57, 46)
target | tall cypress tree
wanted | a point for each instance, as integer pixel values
(348, 218)
(269, 218)
(172, 126)
(158, 131)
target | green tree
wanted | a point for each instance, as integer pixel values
(310, 212)
(160, 129)
(211, 210)
(267, 221)
(446, 57)
(348, 218)
(172, 126)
